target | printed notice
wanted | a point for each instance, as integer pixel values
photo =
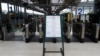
(53, 26)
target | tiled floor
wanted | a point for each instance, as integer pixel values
(19, 48)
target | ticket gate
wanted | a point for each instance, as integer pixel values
(79, 31)
(92, 27)
(0, 28)
(41, 30)
(67, 31)
(0, 32)
(9, 27)
(99, 34)
(35, 28)
(92, 31)
(30, 30)
(66, 26)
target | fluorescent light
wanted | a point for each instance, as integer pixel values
(34, 12)
(83, 0)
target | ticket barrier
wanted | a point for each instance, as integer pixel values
(67, 31)
(41, 32)
(8, 34)
(0, 35)
(79, 31)
(0, 21)
(67, 26)
(26, 33)
(4, 32)
(34, 27)
(30, 30)
(99, 33)
(0, 32)
(92, 31)
(9, 29)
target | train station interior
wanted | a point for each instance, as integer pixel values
(49, 27)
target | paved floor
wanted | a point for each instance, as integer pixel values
(19, 48)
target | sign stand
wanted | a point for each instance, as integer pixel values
(52, 36)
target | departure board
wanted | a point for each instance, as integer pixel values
(53, 26)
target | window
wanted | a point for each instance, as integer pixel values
(83, 0)
(4, 8)
(91, 9)
(21, 9)
(91, 0)
(86, 10)
(11, 7)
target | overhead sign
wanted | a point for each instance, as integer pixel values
(80, 10)
(53, 26)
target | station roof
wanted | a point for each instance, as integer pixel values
(37, 4)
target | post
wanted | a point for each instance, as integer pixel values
(97, 31)
(26, 33)
(83, 32)
(40, 30)
(3, 33)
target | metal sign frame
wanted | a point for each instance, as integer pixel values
(44, 38)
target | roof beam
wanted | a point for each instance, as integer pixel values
(14, 2)
(48, 5)
(70, 3)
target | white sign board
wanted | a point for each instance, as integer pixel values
(53, 26)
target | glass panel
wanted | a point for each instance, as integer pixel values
(91, 0)
(83, 0)
(91, 9)
(86, 10)
(22, 9)
(4, 8)
(11, 7)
